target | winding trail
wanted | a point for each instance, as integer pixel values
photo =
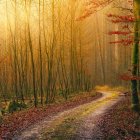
(79, 122)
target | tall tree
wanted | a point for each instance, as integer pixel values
(135, 55)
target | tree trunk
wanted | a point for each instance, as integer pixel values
(135, 55)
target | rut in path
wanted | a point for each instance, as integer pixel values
(86, 126)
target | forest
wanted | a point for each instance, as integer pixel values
(69, 69)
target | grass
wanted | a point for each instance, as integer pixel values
(108, 88)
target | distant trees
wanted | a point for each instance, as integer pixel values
(44, 52)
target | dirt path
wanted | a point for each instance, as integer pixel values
(88, 128)
(79, 122)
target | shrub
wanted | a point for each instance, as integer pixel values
(15, 106)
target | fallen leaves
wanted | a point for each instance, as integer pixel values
(14, 123)
(120, 122)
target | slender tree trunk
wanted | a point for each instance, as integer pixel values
(32, 57)
(40, 54)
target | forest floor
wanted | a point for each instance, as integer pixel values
(120, 122)
(105, 116)
(76, 123)
(15, 123)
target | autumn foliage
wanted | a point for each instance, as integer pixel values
(92, 6)
(123, 21)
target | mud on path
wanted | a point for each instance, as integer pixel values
(77, 123)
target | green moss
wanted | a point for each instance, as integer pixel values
(15, 106)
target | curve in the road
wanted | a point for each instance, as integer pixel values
(80, 120)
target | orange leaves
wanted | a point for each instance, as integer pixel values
(124, 42)
(119, 32)
(124, 30)
(92, 6)
(121, 18)
(127, 77)
(85, 15)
